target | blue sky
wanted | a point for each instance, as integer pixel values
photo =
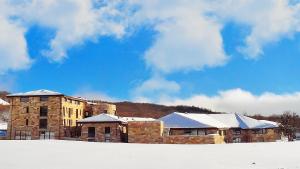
(207, 53)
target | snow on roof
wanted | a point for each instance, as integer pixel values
(3, 126)
(102, 118)
(270, 124)
(41, 92)
(190, 120)
(138, 119)
(241, 121)
(3, 102)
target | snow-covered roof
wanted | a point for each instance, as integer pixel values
(190, 120)
(102, 118)
(42, 92)
(241, 121)
(3, 126)
(3, 102)
(138, 119)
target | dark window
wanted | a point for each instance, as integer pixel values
(44, 98)
(27, 109)
(24, 99)
(64, 111)
(76, 113)
(105, 111)
(237, 131)
(107, 130)
(91, 132)
(64, 122)
(70, 112)
(43, 111)
(26, 122)
(43, 123)
(187, 132)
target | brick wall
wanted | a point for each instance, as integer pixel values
(19, 114)
(248, 136)
(116, 130)
(182, 139)
(145, 132)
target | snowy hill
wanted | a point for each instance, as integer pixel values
(80, 155)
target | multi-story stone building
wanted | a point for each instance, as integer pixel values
(43, 114)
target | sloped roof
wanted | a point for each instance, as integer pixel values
(3, 102)
(241, 121)
(41, 92)
(189, 120)
(102, 118)
(137, 119)
(3, 126)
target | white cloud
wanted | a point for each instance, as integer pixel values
(241, 101)
(269, 21)
(186, 39)
(155, 88)
(13, 47)
(74, 22)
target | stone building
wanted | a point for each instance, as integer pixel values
(93, 108)
(188, 128)
(43, 114)
(111, 128)
(103, 128)
(246, 129)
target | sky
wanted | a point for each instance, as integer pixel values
(232, 56)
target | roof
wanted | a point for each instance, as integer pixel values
(41, 92)
(241, 121)
(3, 126)
(3, 102)
(128, 119)
(190, 120)
(102, 118)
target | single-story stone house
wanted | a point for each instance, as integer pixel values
(178, 128)
(246, 129)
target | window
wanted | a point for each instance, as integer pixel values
(259, 131)
(27, 122)
(187, 132)
(43, 123)
(70, 122)
(91, 132)
(24, 99)
(27, 109)
(64, 122)
(64, 111)
(43, 111)
(105, 111)
(237, 131)
(107, 130)
(70, 112)
(76, 113)
(201, 132)
(44, 98)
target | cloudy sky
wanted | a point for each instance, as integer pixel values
(225, 55)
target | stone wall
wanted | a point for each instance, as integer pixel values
(19, 116)
(94, 109)
(248, 136)
(145, 131)
(117, 132)
(182, 139)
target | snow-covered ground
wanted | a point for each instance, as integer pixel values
(84, 155)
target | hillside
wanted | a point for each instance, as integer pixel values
(154, 110)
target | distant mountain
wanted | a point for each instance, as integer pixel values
(154, 110)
